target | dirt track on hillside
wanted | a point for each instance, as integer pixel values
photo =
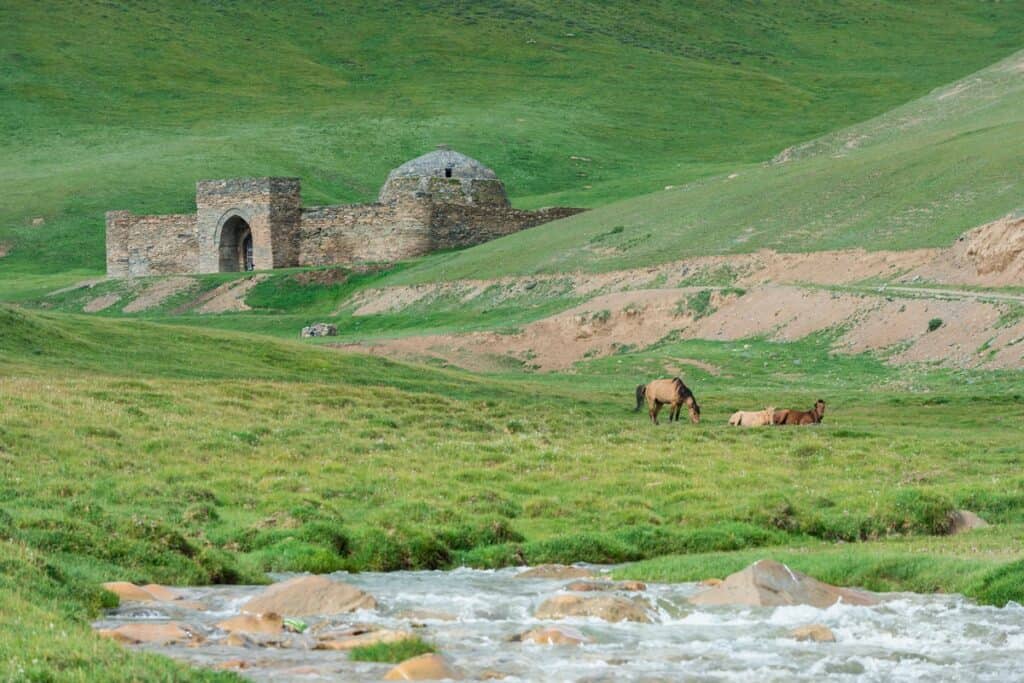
(784, 300)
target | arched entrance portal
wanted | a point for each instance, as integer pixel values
(235, 246)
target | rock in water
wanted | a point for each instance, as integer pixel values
(129, 592)
(768, 583)
(320, 330)
(965, 520)
(268, 622)
(161, 593)
(552, 635)
(556, 571)
(587, 586)
(423, 668)
(163, 634)
(607, 607)
(306, 596)
(819, 633)
(330, 641)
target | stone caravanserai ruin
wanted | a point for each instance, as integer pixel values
(441, 200)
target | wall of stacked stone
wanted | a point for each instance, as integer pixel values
(445, 190)
(151, 245)
(364, 233)
(260, 202)
(455, 225)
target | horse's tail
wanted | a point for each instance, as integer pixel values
(641, 394)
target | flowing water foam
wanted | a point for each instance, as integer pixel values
(907, 637)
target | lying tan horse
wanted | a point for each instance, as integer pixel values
(670, 392)
(801, 417)
(753, 418)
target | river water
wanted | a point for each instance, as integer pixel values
(907, 637)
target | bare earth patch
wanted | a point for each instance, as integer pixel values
(228, 297)
(101, 303)
(158, 292)
(636, 308)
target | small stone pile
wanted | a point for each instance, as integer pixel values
(319, 330)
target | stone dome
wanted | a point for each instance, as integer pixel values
(443, 163)
(444, 175)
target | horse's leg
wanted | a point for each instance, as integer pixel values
(675, 411)
(654, 412)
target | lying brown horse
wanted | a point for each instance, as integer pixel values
(753, 418)
(801, 417)
(667, 391)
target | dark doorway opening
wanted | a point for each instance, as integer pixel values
(236, 253)
(448, 172)
(247, 252)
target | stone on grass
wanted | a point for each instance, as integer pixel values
(552, 635)
(607, 607)
(819, 633)
(965, 520)
(768, 583)
(268, 622)
(429, 667)
(171, 632)
(556, 571)
(320, 330)
(306, 596)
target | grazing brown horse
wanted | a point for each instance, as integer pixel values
(801, 417)
(667, 391)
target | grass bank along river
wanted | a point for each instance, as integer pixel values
(140, 452)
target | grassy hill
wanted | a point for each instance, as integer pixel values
(108, 105)
(917, 176)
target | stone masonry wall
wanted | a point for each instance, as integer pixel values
(151, 245)
(463, 226)
(271, 207)
(354, 233)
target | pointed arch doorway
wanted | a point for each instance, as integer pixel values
(235, 246)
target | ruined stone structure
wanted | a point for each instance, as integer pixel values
(441, 200)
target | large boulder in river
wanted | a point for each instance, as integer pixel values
(607, 607)
(768, 583)
(305, 596)
(556, 572)
(423, 668)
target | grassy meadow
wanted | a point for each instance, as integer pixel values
(144, 452)
(182, 448)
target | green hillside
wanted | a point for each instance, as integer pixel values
(917, 176)
(124, 105)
